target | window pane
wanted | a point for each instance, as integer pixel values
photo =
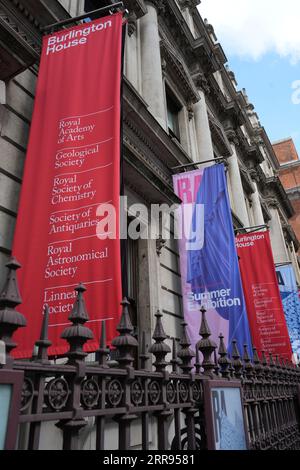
(5, 397)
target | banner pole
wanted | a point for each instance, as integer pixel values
(286, 263)
(219, 159)
(254, 228)
(123, 242)
(68, 21)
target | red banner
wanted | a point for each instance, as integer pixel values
(265, 312)
(72, 166)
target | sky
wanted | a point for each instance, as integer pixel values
(261, 39)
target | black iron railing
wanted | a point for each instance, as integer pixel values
(167, 392)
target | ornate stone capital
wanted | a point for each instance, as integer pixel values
(188, 3)
(160, 5)
(254, 175)
(131, 28)
(160, 243)
(190, 111)
(164, 67)
(201, 82)
(137, 7)
(232, 137)
(272, 203)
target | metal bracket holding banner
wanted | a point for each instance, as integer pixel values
(225, 416)
(119, 6)
(188, 165)
(254, 228)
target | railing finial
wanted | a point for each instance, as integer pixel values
(125, 342)
(77, 334)
(224, 362)
(185, 354)
(10, 319)
(236, 362)
(44, 343)
(206, 345)
(159, 349)
(103, 350)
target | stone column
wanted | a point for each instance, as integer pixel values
(185, 8)
(131, 70)
(256, 206)
(239, 204)
(295, 262)
(203, 134)
(280, 252)
(152, 82)
(149, 295)
(2, 92)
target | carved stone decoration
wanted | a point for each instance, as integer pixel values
(114, 392)
(188, 3)
(164, 67)
(137, 393)
(160, 243)
(131, 28)
(171, 392)
(57, 393)
(27, 394)
(90, 393)
(154, 392)
(201, 82)
(232, 136)
(175, 68)
(161, 7)
(190, 111)
(183, 392)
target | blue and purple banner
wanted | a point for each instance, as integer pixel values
(291, 303)
(208, 258)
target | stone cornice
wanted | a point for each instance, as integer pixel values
(289, 165)
(159, 147)
(141, 178)
(265, 210)
(189, 3)
(138, 7)
(20, 32)
(201, 49)
(293, 193)
(272, 191)
(274, 186)
(246, 181)
(290, 235)
(216, 97)
(177, 69)
(271, 153)
(218, 136)
(250, 153)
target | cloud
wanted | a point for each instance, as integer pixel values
(252, 28)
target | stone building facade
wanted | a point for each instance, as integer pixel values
(289, 174)
(181, 105)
